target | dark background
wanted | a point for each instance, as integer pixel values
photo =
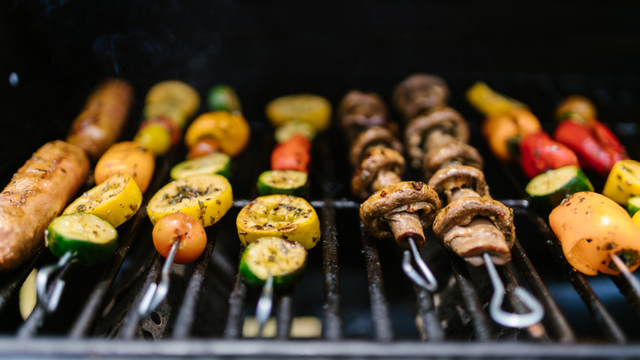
(537, 53)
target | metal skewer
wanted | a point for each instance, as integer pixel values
(50, 304)
(633, 281)
(505, 318)
(265, 303)
(157, 292)
(428, 282)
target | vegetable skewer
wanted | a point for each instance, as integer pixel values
(393, 208)
(200, 194)
(472, 224)
(277, 228)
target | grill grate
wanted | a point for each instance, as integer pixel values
(428, 325)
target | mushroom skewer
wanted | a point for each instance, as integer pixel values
(393, 208)
(472, 224)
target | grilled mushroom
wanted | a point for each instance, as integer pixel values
(448, 154)
(475, 225)
(380, 168)
(359, 111)
(373, 136)
(435, 128)
(457, 179)
(401, 211)
(419, 93)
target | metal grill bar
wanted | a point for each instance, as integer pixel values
(627, 290)
(233, 330)
(93, 307)
(472, 301)
(332, 324)
(382, 326)
(132, 319)
(605, 321)
(187, 312)
(556, 319)
(430, 324)
(284, 316)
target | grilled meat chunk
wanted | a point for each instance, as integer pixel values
(38, 193)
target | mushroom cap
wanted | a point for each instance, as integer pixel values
(444, 118)
(436, 158)
(462, 211)
(358, 111)
(372, 136)
(459, 176)
(409, 196)
(377, 158)
(418, 93)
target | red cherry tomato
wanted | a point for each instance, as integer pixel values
(292, 155)
(184, 229)
(204, 146)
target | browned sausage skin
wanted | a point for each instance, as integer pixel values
(38, 193)
(99, 124)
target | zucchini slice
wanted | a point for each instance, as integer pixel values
(285, 261)
(89, 238)
(205, 198)
(633, 205)
(287, 182)
(223, 98)
(547, 190)
(214, 163)
(287, 217)
(287, 130)
(116, 200)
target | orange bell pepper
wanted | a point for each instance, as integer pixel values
(504, 131)
(592, 227)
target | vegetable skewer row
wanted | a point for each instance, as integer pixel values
(393, 208)
(472, 224)
(200, 194)
(277, 231)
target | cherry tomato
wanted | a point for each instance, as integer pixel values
(184, 229)
(204, 146)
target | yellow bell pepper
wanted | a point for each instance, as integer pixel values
(129, 158)
(592, 227)
(230, 129)
(488, 101)
(623, 181)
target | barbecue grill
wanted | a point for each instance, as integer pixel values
(59, 50)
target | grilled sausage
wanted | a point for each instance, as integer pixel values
(37, 194)
(99, 124)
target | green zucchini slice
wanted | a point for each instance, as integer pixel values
(90, 239)
(547, 190)
(285, 131)
(633, 205)
(285, 261)
(213, 164)
(223, 98)
(286, 182)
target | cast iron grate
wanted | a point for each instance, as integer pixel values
(538, 343)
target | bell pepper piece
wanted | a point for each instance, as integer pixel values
(576, 105)
(292, 155)
(505, 130)
(590, 228)
(539, 153)
(596, 146)
(230, 129)
(488, 102)
(623, 181)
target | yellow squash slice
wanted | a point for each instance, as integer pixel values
(176, 93)
(284, 216)
(205, 198)
(115, 200)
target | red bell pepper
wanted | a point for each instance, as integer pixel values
(539, 153)
(596, 146)
(292, 154)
